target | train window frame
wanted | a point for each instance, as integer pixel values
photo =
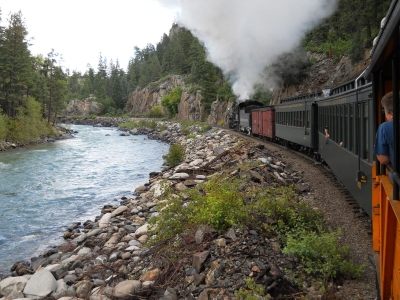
(351, 127)
(366, 130)
(345, 126)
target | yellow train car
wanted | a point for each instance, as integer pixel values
(384, 70)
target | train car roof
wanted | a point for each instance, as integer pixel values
(249, 102)
(384, 41)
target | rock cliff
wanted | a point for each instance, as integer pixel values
(83, 107)
(324, 73)
(190, 108)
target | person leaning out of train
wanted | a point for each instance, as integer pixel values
(384, 149)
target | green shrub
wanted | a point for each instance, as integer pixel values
(253, 292)
(139, 124)
(156, 112)
(205, 127)
(175, 155)
(322, 255)
(219, 203)
(171, 101)
(28, 125)
(3, 126)
(292, 213)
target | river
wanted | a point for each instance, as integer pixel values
(45, 188)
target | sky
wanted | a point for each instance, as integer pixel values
(242, 37)
(81, 30)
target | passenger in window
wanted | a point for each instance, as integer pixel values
(383, 148)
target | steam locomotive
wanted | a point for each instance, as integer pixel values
(339, 126)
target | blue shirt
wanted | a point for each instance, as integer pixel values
(384, 140)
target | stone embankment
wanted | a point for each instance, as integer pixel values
(108, 258)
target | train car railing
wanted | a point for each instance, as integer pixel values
(386, 233)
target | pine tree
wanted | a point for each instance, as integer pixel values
(16, 74)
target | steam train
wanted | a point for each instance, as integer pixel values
(339, 126)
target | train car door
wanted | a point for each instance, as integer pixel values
(268, 123)
(256, 119)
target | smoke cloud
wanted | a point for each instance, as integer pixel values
(243, 37)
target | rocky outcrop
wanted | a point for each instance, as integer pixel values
(83, 107)
(141, 101)
(324, 73)
(220, 111)
(191, 108)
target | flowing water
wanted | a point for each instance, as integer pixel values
(44, 189)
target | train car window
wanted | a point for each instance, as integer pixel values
(345, 127)
(358, 129)
(321, 124)
(331, 115)
(308, 118)
(293, 118)
(351, 126)
(365, 131)
(334, 123)
(341, 124)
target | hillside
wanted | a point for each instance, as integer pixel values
(324, 73)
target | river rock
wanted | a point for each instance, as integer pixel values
(142, 230)
(12, 284)
(127, 289)
(41, 284)
(179, 176)
(120, 210)
(105, 220)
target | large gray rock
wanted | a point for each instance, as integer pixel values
(118, 211)
(12, 284)
(181, 176)
(142, 230)
(41, 284)
(105, 220)
(58, 270)
(126, 289)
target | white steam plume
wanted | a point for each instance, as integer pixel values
(242, 37)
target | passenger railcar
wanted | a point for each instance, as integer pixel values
(295, 122)
(345, 139)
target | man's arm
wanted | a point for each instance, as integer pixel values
(383, 159)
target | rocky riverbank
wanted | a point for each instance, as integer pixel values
(109, 258)
(62, 133)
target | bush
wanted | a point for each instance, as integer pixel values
(175, 155)
(3, 126)
(28, 125)
(171, 101)
(322, 255)
(156, 112)
(253, 292)
(139, 124)
(219, 203)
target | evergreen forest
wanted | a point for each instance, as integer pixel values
(35, 89)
